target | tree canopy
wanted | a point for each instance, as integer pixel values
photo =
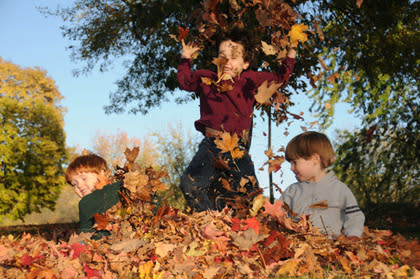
(32, 140)
(364, 53)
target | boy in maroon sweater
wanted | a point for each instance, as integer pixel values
(226, 105)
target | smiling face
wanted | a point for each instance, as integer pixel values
(234, 55)
(84, 183)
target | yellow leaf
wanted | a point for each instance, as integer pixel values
(289, 267)
(268, 49)
(257, 204)
(206, 80)
(228, 143)
(297, 33)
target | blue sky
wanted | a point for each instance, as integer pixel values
(30, 39)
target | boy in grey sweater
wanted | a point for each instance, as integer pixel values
(310, 153)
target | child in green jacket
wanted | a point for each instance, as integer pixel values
(90, 177)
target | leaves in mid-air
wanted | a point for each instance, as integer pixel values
(229, 143)
(297, 33)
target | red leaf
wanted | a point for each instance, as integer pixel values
(101, 221)
(90, 272)
(236, 224)
(183, 33)
(369, 133)
(78, 249)
(26, 260)
(253, 223)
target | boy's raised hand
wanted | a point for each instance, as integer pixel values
(189, 50)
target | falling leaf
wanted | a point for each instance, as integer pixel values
(297, 33)
(257, 204)
(265, 92)
(268, 49)
(229, 143)
(220, 62)
(183, 33)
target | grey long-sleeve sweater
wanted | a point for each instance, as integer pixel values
(343, 212)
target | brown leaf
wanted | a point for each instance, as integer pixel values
(268, 49)
(101, 221)
(265, 92)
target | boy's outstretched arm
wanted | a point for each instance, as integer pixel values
(189, 49)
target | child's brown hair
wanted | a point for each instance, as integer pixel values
(87, 163)
(243, 37)
(309, 143)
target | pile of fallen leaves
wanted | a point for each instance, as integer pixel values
(149, 240)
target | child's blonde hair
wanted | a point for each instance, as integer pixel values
(87, 163)
(309, 143)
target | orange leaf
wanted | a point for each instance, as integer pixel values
(101, 221)
(228, 143)
(320, 205)
(297, 33)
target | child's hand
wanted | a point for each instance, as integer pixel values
(189, 49)
(292, 53)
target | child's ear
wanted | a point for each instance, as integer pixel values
(246, 65)
(316, 158)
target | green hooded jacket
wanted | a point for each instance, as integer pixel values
(98, 201)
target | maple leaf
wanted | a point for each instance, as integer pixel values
(297, 33)
(265, 92)
(228, 143)
(268, 49)
(246, 240)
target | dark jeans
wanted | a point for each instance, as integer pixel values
(202, 184)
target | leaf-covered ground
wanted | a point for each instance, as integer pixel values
(147, 241)
(150, 240)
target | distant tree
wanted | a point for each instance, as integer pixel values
(380, 165)
(176, 151)
(112, 146)
(32, 141)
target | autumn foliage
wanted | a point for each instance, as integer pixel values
(149, 240)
